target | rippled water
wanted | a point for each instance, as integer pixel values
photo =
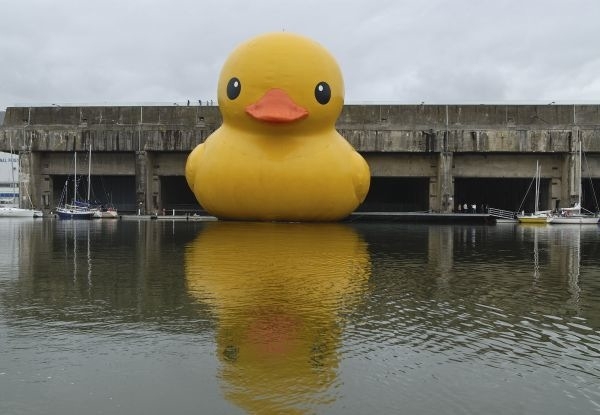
(154, 317)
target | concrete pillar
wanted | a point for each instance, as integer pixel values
(573, 170)
(556, 184)
(433, 194)
(29, 180)
(156, 203)
(143, 182)
(445, 178)
(445, 182)
(48, 202)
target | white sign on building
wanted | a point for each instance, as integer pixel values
(9, 179)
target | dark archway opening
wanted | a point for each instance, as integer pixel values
(501, 193)
(177, 195)
(109, 191)
(397, 194)
(590, 195)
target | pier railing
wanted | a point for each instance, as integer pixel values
(499, 213)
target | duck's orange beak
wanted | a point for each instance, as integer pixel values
(276, 106)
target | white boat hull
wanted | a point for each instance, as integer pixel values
(573, 220)
(106, 214)
(13, 212)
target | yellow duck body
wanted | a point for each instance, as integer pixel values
(277, 155)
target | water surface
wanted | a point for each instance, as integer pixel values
(153, 317)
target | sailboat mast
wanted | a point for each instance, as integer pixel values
(579, 188)
(538, 171)
(75, 178)
(89, 174)
(12, 172)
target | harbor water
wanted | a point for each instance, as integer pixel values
(188, 317)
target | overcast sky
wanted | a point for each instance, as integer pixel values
(436, 51)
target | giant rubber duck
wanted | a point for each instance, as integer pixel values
(277, 156)
(280, 294)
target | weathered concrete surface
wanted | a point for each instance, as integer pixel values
(438, 142)
(370, 128)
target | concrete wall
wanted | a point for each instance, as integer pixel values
(370, 128)
(438, 142)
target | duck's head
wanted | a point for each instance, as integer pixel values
(281, 81)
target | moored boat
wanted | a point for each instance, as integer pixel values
(574, 216)
(106, 213)
(15, 212)
(76, 209)
(573, 220)
(539, 217)
(10, 190)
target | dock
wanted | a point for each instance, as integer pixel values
(362, 217)
(423, 217)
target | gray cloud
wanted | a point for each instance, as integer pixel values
(115, 51)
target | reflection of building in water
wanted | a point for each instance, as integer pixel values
(440, 251)
(560, 247)
(566, 246)
(16, 250)
(133, 268)
(60, 249)
(279, 292)
(496, 256)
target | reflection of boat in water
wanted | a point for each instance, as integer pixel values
(563, 246)
(279, 292)
(569, 240)
(77, 240)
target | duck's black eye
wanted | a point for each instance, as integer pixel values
(322, 93)
(234, 87)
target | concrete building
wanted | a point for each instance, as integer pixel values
(422, 157)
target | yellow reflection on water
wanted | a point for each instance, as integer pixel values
(280, 292)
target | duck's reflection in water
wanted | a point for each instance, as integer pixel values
(280, 293)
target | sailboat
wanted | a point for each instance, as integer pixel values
(574, 215)
(12, 209)
(102, 211)
(106, 213)
(15, 212)
(76, 209)
(538, 216)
